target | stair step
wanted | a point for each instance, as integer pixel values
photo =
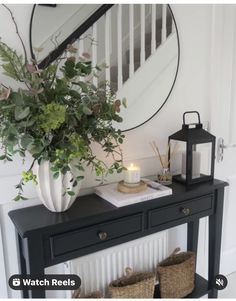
(137, 53)
(125, 67)
(148, 37)
(125, 71)
(168, 21)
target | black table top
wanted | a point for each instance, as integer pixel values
(93, 208)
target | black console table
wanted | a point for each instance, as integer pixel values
(92, 224)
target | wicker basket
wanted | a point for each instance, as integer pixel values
(93, 295)
(133, 285)
(177, 274)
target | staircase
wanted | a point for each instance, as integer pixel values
(125, 37)
(137, 53)
(139, 45)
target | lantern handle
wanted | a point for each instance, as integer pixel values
(190, 112)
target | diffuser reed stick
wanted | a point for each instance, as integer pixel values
(164, 162)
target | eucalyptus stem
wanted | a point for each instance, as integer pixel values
(17, 31)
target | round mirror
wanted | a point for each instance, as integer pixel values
(143, 58)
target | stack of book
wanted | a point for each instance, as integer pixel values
(119, 199)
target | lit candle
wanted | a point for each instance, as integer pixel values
(132, 174)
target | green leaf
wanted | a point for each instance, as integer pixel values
(17, 198)
(65, 169)
(21, 153)
(35, 148)
(71, 193)
(8, 107)
(87, 110)
(54, 168)
(120, 140)
(124, 102)
(21, 113)
(70, 64)
(17, 98)
(74, 94)
(3, 157)
(117, 118)
(26, 141)
(83, 86)
(85, 68)
(56, 175)
(75, 183)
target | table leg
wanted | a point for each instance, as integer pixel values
(192, 236)
(192, 240)
(21, 257)
(35, 262)
(215, 229)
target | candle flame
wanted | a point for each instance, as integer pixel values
(133, 167)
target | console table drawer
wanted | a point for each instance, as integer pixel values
(77, 239)
(182, 210)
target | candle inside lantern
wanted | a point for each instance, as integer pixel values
(196, 163)
(132, 174)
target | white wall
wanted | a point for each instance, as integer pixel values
(190, 93)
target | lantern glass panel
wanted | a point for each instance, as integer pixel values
(177, 151)
(201, 160)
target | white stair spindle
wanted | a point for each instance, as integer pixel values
(164, 17)
(107, 44)
(94, 51)
(80, 43)
(81, 46)
(119, 45)
(142, 53)
(131, 40)
(153, 40)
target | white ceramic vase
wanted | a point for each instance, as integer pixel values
(51, 191)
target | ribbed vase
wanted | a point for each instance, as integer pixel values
(51, 191)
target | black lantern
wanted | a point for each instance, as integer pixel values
(196, 150)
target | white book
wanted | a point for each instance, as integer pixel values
(111, 194)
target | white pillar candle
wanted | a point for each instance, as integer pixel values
(132, 174)
(196, 163)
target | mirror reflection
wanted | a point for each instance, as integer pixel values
(138, 44)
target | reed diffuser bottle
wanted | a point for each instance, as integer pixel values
(164, 176)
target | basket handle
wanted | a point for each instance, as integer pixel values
(176, 250)
(128, 271)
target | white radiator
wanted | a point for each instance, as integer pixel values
(98, 269)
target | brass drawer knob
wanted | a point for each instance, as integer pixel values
(185, 211)
(102, 235)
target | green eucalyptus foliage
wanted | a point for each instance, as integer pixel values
(56, 115)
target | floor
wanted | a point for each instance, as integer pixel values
(230, 290)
